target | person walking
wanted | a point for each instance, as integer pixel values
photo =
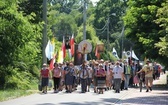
(62, 80)
(90, 77)
(44, 76)
(127, 74)
(118, 74)
(101, 78)
(69, 78)
(56, 73)
(95, 69)
(83, 77)
(148, 75)
(156, 71)
(108, 74)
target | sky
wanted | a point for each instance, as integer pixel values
(94, 0)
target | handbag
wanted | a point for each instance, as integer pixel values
(39, 86)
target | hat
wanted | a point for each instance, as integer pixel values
(111, 66)
(147, 60)
(100, 65)
(96, 63)
(117, 62)
(44, 64)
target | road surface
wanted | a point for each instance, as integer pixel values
(159, 96)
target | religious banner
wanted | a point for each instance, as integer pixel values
(84, 47)
(100, 48)
(78, 58)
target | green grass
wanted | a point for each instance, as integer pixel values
(11, 94)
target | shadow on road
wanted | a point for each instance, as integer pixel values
(152, 100)
(156, 98)
(46, 104)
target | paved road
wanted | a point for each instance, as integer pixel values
(159, 96)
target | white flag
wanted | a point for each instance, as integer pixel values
(115, 53)
(49, 50)
(134, 56)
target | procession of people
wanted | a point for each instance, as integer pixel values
(100, 75)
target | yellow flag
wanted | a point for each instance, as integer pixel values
(60, 57)
(53, 40)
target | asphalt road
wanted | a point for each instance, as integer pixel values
(159, 96)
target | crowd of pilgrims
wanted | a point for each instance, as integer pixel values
(119, 75)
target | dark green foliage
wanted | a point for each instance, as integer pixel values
(19, 46)
(142, 28)
(32, 6)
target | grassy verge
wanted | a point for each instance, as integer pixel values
(11, 94)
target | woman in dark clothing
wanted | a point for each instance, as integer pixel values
(69, 79)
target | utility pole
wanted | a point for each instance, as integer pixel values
(44, 39)
(122, 43)
(84, 25)
(84, 21)
(108, 30)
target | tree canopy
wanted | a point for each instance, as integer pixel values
(141, 26)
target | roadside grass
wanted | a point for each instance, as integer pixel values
(8, 94)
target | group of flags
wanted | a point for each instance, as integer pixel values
(125, 54)
(51, 53)
(114, 52)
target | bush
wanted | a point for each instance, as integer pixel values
(14, 78)
(18, 80)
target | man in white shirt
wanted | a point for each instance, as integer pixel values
(118, 75)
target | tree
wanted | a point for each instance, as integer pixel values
(141, 28)
(113, 9)
(108, 22)
(32, 6)
(19, 45)
(162, 21)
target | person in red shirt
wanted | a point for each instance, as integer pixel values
(44, 76)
